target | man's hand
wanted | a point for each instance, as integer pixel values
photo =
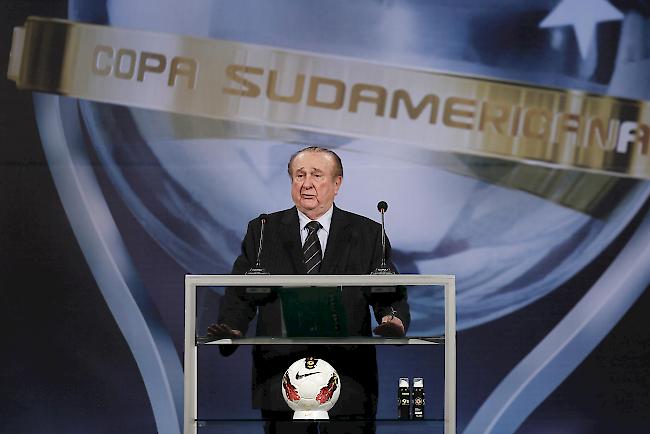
(390, 327)
(223, 331)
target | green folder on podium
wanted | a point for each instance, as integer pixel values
(313, 312)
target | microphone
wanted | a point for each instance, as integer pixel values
(257, 268)
(382, 207)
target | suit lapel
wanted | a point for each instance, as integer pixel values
(337, 242)
(290, 237)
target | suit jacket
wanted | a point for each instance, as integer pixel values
(353, 247)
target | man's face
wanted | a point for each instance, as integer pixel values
(313, 183)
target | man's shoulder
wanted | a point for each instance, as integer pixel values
(278, 215)
(356, 219)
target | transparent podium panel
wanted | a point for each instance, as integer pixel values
(272, 342)
(224, 383)
(321, 313)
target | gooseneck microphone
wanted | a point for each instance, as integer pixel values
(382, 207)
(259, 249)
(257, 268)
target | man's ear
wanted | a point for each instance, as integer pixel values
(337, 183)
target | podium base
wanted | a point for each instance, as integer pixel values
(382, 271)
(305, 414)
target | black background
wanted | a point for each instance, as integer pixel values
(64, 365)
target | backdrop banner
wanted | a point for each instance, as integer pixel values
(334, 95)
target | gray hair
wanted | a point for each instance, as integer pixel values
(337, 159)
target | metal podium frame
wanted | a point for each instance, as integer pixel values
(192, 281)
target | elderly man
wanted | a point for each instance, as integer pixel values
(315, 237)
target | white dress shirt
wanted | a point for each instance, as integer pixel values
(325, 220)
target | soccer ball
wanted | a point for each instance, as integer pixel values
(311, 387)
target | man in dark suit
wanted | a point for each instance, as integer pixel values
(339, 243)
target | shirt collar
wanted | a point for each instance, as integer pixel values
(325, 220)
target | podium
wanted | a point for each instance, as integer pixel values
(192, 342)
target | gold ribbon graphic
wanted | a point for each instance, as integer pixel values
(467, 116)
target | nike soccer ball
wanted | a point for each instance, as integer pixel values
(311, 384)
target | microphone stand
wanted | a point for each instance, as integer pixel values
(257, 268)
(382, 207)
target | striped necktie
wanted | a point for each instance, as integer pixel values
(311, 249)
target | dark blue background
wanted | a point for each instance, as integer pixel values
(65, 367)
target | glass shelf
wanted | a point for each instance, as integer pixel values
(202, 422)
(383, 426)
(429, 340)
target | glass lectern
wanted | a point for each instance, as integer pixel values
(301, 326)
